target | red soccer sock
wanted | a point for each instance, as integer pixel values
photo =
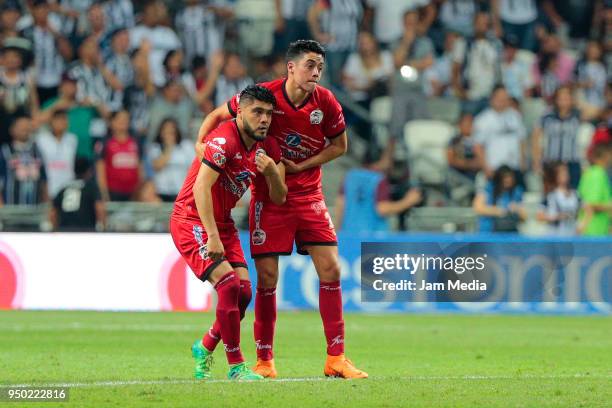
(228, 316)
(330, 307)
(213, 335)
(265, 320)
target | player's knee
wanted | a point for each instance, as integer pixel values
(330, 272)
(267, 277)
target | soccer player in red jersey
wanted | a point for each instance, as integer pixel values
(203, 230)
(308, 125)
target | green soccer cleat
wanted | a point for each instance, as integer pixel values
(203, 359)
(241, 372)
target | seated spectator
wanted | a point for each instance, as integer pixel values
(516, 74)
(118, 169)
(161, 37)
(592, 79)
(23, 180)
(553, 67)
(171, 157)
(17, 89)
(499, 204)
(58, 148)
(476, 65)
(366, 75)
(499, 131)
(234, 78)
(80, 116)
(560, 206)
(171, 102)
(594, 191)
(557, 131)
(461, 153)
(438, 77)
(79, 206)
(364, 201)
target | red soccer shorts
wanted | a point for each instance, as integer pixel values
(190, 239)
(273, 228)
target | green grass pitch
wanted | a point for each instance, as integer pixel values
(143, 359)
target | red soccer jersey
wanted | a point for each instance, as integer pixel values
(301, 132)
(122, 162)
(226, 153)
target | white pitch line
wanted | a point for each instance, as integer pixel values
(306, 379)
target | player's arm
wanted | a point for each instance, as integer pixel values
(275, 178)
(202, 193)
(211, 121)
(336, 148)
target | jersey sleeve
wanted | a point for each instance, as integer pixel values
(216, 151)
(232, 105)
(334, 124)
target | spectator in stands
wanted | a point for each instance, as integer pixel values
(97, 28)
(23, 180)
(79, 205)
(138, 96)
(335, 24)
(50, 50)
(602, 134)
(118, 169)
(80, 116)
(437, 79)
(120, 65)
(364, 201)
(594, 191)
(476, 65)
(461, 153)
(456, 16)
(94, 80)
(171, 102)
(201, 27)
(204, 81)
(516, 73)
(553, 67)
(366, 75)
(387, 18)
(500, 133)
(58, 149)
(573, 18)
(10, 13)
(233, 79)
(119, 13)
(171, 157)
(558, 133)
(290, 23)
(162, 38)
(499, 203)
(592, 79)
(412, 56)
(517, 19)
(17, 89)
(561, 204)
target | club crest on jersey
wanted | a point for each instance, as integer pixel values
(258, 237)
(316, 117)
(293, 140)
(219, 159)
(242, 176)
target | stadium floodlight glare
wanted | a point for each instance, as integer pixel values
(409, 73)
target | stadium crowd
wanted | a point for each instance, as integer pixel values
(121, 87)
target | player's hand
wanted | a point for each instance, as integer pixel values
(291, 166)
(265, 164)
(215, 248)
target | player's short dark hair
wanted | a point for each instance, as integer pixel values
(81, 166)
(298, 48)
(255, 92)
(59, 112)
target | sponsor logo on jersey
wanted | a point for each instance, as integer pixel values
(219, 159)
(316, 117)
(243, 176)
(214, 146)
(238, 156)
(219, 140)
(293, 140)
(279, 112)
(197, 234)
